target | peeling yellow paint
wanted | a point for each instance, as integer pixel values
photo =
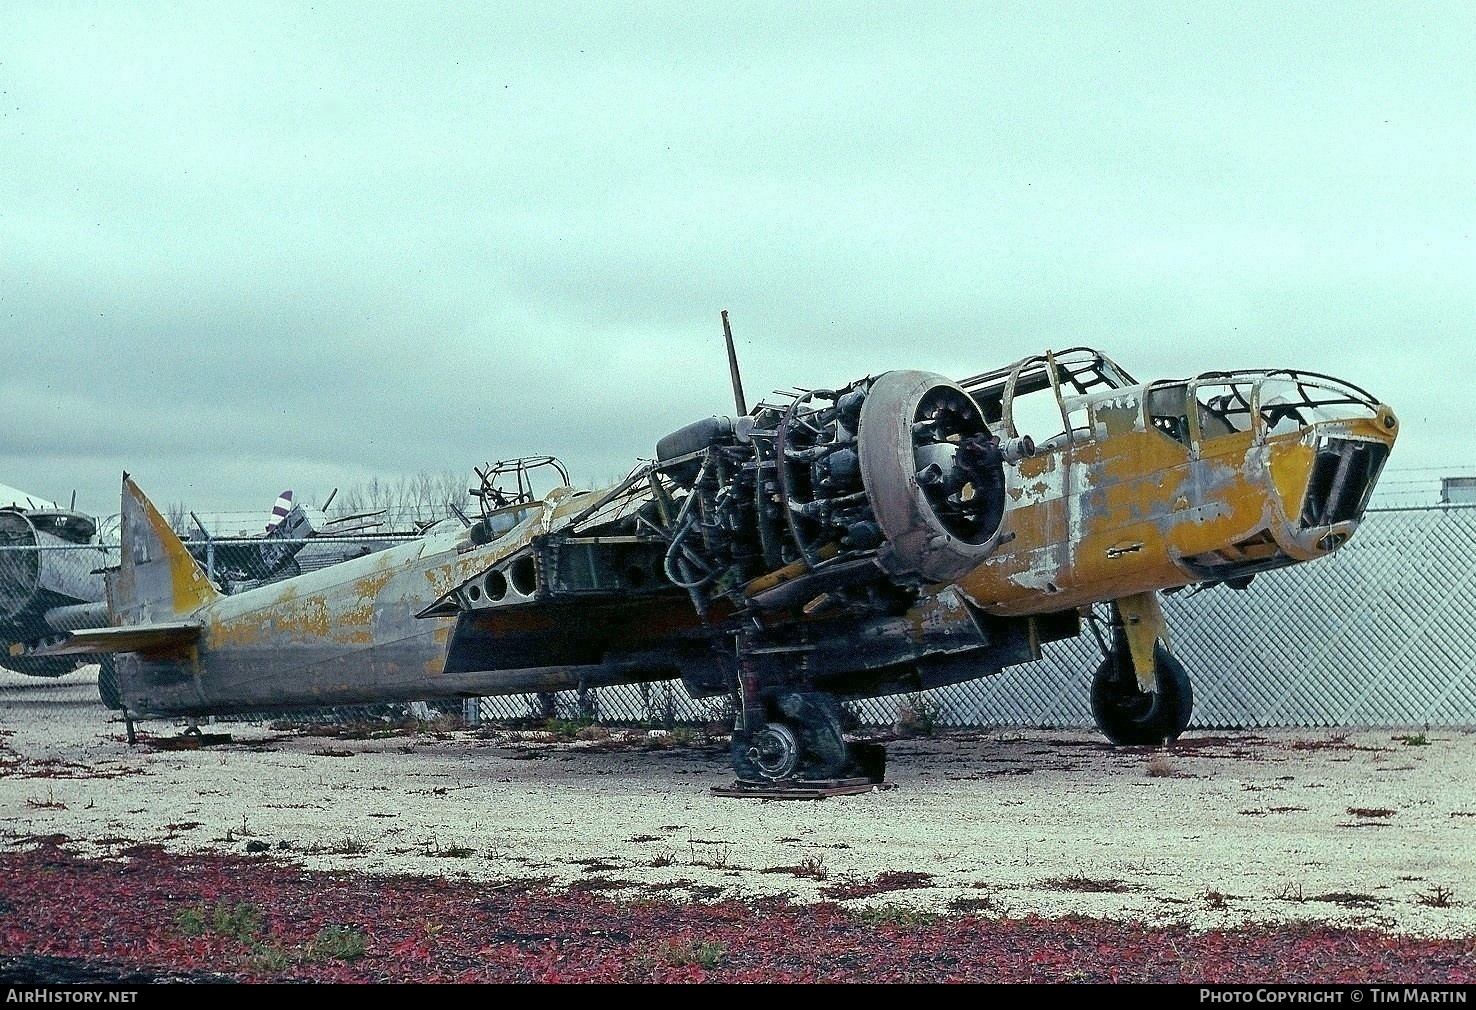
(1144, 626)
(190, 589)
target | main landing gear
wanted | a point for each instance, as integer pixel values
(1141, 694)
(800, 740)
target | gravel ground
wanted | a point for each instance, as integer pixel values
(1372, 828)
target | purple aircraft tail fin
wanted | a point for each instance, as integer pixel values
(280, 510)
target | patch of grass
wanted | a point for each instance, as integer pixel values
(917, 715)
(271, 958)
(666, 858)
(1347, 899)
(349, 845)
(895, 915)
(50, 803)
(1160, 766)
(1215, 900)
(596, 865)
(1373, 812)
(1290, 891)
(239, 922)
(892, 880)
(567, 729)
(812, 867)
(589, 885)
(677, 736)
(1337, 741)
(331, 943)
(970, 906)
(1413, 740)
(689, 953)
(1084, 885)
(1437, 897)
(716, 860)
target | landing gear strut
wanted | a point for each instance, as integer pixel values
(1134, 706)
(107, 683)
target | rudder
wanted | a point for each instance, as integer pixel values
(157, 580)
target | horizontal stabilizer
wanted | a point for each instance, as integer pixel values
(150, 639)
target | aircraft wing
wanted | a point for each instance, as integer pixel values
(10, 496)
(150, 639)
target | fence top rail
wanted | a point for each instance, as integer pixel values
(382, 538)
(408, 537)
(1450, 506)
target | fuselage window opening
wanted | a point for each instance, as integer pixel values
(1035, 408)
(1168, 411)
(1289, 402)
(1222, 408)
(1038, 414)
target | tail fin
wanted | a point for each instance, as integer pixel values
(157, 580)
(280, 510)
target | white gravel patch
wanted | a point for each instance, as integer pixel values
(1364, 827)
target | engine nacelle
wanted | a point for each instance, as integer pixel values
(896, 475)
(934, 473)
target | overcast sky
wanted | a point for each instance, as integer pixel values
(247, 247)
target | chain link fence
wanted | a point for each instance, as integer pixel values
(1379, 634)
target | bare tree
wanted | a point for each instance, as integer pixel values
(407, 501)
(177, 514)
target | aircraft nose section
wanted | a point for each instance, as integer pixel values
(1344, 472)
(1348, 457)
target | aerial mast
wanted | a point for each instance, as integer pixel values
(738, 400)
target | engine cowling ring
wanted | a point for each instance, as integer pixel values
(20, 570)
(920, 540)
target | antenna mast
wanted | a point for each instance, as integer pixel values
(738, 400)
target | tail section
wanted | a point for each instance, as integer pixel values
(157, 580)
(280, 511)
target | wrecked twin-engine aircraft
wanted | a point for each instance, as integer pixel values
(902, 532)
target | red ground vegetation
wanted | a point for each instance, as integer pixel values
(263, 918)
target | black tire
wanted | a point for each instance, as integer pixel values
(816, 720)
(107, 683)
(1133, 718)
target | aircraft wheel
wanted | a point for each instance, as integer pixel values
(1131, 717)
(770, 754)
(107, 683)
(802, 739)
